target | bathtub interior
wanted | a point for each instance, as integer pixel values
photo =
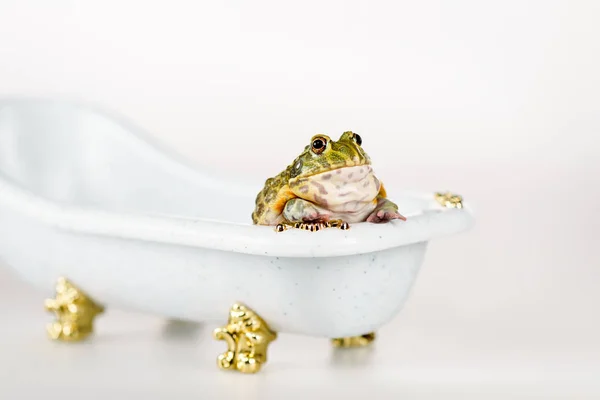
(79, 156)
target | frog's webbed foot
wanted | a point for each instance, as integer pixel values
(338, 223)
(385, 212)
(312, 226)
(381, 216)
(285, 225)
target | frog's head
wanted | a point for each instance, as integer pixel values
(324, 154)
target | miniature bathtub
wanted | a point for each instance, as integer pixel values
(87, 196)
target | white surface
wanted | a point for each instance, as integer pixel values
(62, 201)
(495, 100)
(484, 81)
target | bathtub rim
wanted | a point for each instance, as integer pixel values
(433, 222)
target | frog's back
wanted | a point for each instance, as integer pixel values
(271, 200)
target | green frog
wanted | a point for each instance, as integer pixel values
(330, 184)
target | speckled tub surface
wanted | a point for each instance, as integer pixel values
(87, 196)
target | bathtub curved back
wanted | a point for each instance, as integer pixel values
(78, 155)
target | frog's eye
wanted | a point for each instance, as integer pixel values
(356, 137)
(318, 145)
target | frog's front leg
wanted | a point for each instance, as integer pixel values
(300, 210)
(385, 210)
(302, 214)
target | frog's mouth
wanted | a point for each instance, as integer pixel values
(326, 167)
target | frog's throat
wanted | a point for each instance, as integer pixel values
(356, 181)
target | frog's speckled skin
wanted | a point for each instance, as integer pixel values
(335, 181)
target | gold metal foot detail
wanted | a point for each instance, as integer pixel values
(247, 336)
(312, 226)
(354, 341)
(75, 313)
(449, 200)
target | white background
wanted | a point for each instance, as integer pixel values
(499, 101)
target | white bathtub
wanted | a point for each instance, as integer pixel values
(87, 196)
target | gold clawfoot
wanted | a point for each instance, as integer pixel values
(354, 341)
(449, 200)
(247, 336)
(312, 226)
(75, 313)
